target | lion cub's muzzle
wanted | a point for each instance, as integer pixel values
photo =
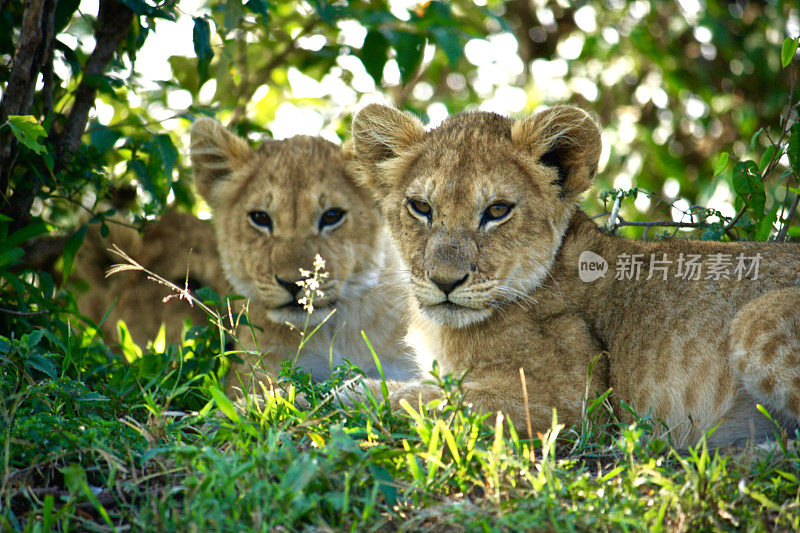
(447, 284)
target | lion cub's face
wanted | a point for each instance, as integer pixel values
(275, 209)
(479, 205)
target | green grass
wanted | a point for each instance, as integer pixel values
(94, 440)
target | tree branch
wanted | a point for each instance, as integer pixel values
(22, 80)
(21, 83)
(34, 47)
(113, 21)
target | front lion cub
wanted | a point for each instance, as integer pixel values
(276, 208)
(483, 210)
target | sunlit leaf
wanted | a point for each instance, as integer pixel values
(129, 348)
(721, 163)
(766, 158)
(224, 404)
(27, 131)
(788, 49)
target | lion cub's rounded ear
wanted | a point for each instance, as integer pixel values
(216, 153)
(563, 137)
(381, 133)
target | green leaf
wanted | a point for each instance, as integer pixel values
(166, 151)
(721, 163)
(794, 232)
(766, 158)
(64, 12)
(10, 257)
(93, 396)
(765, 227)
(259, 7)
(43, 364)
(374, 54)
(410, 48)
(27, 131)
(754, 138)
(388, 486)
(33, 338)
(28, 232)
(201, 37)
(326, 11)
(130, 349)
(794, 148)
(233, 14)
(447, 40)
(103, 137)
(224, 404)
(143, 8)
(70, 248)
(748, 186)
(788, 48)
(384, 388)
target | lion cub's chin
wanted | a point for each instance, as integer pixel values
(454, 316)
(296, 315)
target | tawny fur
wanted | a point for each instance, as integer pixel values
(699, 353)
(296, 181)
(177, 242)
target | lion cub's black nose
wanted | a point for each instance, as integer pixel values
(447, 286)
(290, 286)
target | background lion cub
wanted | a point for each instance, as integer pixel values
(170, 246)
(275, 209)
(483, 211)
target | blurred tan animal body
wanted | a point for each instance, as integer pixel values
(506, 272)
(175, 245)
(275, 209)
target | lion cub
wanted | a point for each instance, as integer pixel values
(483, 210)
(275, 209)
(171, 246)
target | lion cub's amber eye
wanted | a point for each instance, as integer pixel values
(260, 219)
(331, 217)
(496, 211)
(420, 208)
